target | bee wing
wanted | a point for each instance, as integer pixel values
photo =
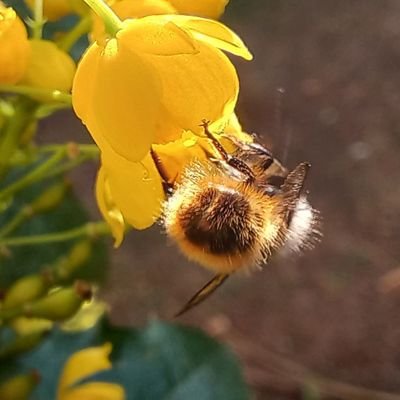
(293, 185)
(208, 289)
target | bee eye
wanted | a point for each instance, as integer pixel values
(271, 190)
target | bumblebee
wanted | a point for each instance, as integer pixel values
(234, 212)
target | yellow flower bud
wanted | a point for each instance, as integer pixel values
(60, 304)
(25, 289)
(204, 8)
(78, 254)
(53, 9)
(49, 198)
(49, 67)
(19, 387)
(14, 47)
(131, 9)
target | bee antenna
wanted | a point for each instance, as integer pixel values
(209, 288)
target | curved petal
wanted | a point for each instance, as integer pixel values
(211, 32)
(156, 36)
(176, 155)
(123, 102)
(82, 364)
(205, 8)
(136, 189)
(95, 391)
(14, 48)
(197, 82)
(49, 67)
(108, 209)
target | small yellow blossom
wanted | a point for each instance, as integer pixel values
(84, 364)
(49, 67)
(14, 47)
(204, 8)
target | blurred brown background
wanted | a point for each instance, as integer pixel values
(332, 316)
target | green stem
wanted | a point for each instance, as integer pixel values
(12, 130)
(49, 94)
(70, 38)
(38, 20)
(111, 21)
(90, 149)
(37, 174)
(16, 221)
(91, 229)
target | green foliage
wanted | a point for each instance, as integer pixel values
(161, 361)
(68, 214)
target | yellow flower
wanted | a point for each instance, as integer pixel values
(14, 48)
(153, 84)
(204, 8)
(159, 76)
(84, 364)
(49, 67)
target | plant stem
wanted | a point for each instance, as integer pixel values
(111, 21)
(49, 94)
(90, 229)
(12, 130)
(70, 38)
(38, 20)
(37, 174)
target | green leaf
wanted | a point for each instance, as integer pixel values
(161, 361)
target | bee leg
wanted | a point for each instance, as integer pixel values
(168, 186)
(208, 289)
(234, 162)
(253, 148)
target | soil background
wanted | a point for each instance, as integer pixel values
(310, 324)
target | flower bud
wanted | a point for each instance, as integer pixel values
(14, 47)
(50, 198)
(49, 68)
(60, 304)
(21, 344)
(26, 289)
(53, 9)
(204, 8)
(19, 387)
(79, 253)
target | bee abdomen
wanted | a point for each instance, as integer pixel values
(217, 220)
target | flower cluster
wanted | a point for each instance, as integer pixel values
(148, 85)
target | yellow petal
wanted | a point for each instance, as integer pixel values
(95, 391)
(14, 47)
(135, 187)
(204, 8)
(83, 364)
(122, 98)
(132, 9)
(49, 67)
(108, 209)
(198, 82)
(176, 155)
(156, 36)
(212, 32)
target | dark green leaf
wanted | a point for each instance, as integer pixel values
(162, 361)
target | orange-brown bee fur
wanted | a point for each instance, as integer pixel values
(234, 212)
